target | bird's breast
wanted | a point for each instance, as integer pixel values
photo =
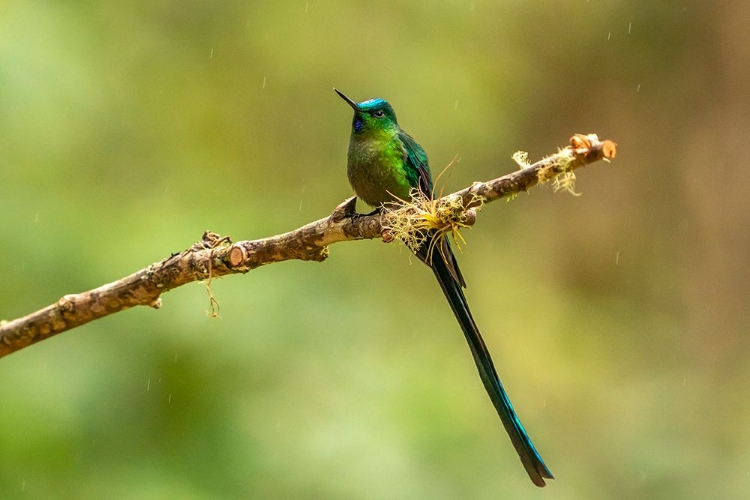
(376, 171)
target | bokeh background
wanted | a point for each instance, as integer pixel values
(618, 320)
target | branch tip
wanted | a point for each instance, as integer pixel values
(237, 255)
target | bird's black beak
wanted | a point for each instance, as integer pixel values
(351, 103)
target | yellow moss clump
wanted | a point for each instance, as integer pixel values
(522, 159)
(413, 221)
(556, 168)
(565, 181)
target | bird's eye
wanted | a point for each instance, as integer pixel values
(378, 113)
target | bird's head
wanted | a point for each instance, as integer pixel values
(371, 115)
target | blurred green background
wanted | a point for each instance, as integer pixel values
(617, 320)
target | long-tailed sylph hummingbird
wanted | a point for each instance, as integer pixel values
(384, 165)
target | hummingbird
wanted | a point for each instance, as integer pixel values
(384, 164)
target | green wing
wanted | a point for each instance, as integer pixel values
(416, 164)
(418, 174)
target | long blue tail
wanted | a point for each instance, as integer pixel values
(444, 265)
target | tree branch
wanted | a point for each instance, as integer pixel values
(215, 256)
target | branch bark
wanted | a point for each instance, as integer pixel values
(216, 256)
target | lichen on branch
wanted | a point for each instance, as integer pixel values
(411, 221)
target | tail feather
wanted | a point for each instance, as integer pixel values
(444, 265)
